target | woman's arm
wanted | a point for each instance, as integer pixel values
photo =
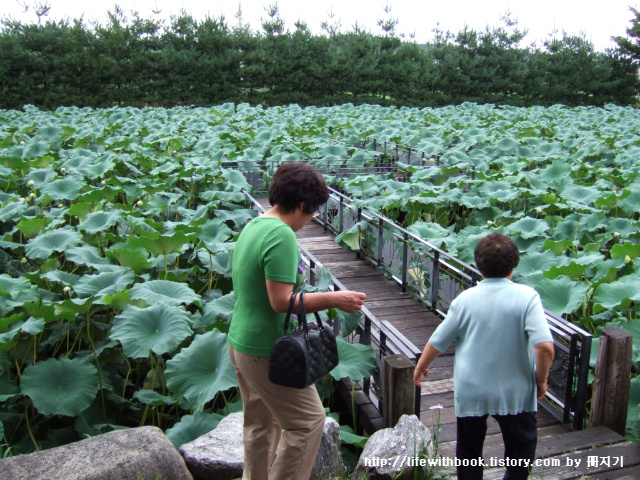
(429, 354)
(345, 300)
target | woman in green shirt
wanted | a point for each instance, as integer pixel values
(265, 266)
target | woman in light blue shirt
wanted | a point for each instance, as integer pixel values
(504, 350)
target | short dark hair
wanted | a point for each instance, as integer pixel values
(297, 182)
(496, 255)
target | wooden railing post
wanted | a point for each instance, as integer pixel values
(612, 380)
(399, 390)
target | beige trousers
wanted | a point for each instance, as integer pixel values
(287, 420)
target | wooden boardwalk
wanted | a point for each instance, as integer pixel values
(595, 453)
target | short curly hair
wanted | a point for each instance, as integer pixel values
(297, 182)
(496, 255)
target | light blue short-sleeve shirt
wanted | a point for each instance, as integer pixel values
(495, 326)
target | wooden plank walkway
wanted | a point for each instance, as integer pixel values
(595, 453)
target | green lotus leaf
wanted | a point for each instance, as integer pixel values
(7, 390)
(31, 227)
(561, 295)
(535, 261)
(99, 221)
(201, 370)
(136, 260)
(500, 191)
(215, 231)
(191, 427)
(430, 232)
(572, 270)
(50, 133)
(220, 309)
(528, 228)
(13, 210)
(36, 149)
(630, 203)
(628, 249)
(624, 226)
(580, 194)
(473, 201)
(333, 151)
(357, 361)
(350, 239)
(159, 328)
(60, 387)
(508, 145)
(51, 241)
(633, 409)
(349, 321)
(237, 217)
(153, 398)
(557, 172)
(101, 284)
(63, 189)
(348, 436)
(235, 181)
(219, 262)
(617, 295)
(14, 286)
(163, 292)
(86, 255)
(158, 244)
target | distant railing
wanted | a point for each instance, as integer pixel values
(380, 334)
(435, 277)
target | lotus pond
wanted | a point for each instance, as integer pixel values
(117, 228)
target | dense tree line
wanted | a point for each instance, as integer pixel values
(145, 62)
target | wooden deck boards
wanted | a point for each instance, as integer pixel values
(566, 454)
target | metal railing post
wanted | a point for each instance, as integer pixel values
(405, 260)
(435, 280)
(379, 242)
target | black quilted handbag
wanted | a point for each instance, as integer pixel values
(304, 356)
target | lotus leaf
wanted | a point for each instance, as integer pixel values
(105, 283)
(60, 387)
(561, 295)
(163, 292)
(136, 260)
(86, 255)
(191, 427)
(159, 328)
(63, 189)
(528, 228)
(617, 295)
(356, 361)
(220, 309)
(201, 370)
(46, 243)
(99, 221)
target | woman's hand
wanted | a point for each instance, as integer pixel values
(349, 301)
(417, 376)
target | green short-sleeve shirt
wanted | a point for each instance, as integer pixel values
(267, 249)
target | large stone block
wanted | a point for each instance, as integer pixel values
(132, 454)
(219, 454)
(392, 453)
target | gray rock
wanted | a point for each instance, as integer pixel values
(135, 454)
(392, 453)
(219, 454)
(328, 462)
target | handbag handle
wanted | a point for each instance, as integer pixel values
(289, 310)
(303, 318)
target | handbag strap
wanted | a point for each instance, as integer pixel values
(303, 317)
(289, 310)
